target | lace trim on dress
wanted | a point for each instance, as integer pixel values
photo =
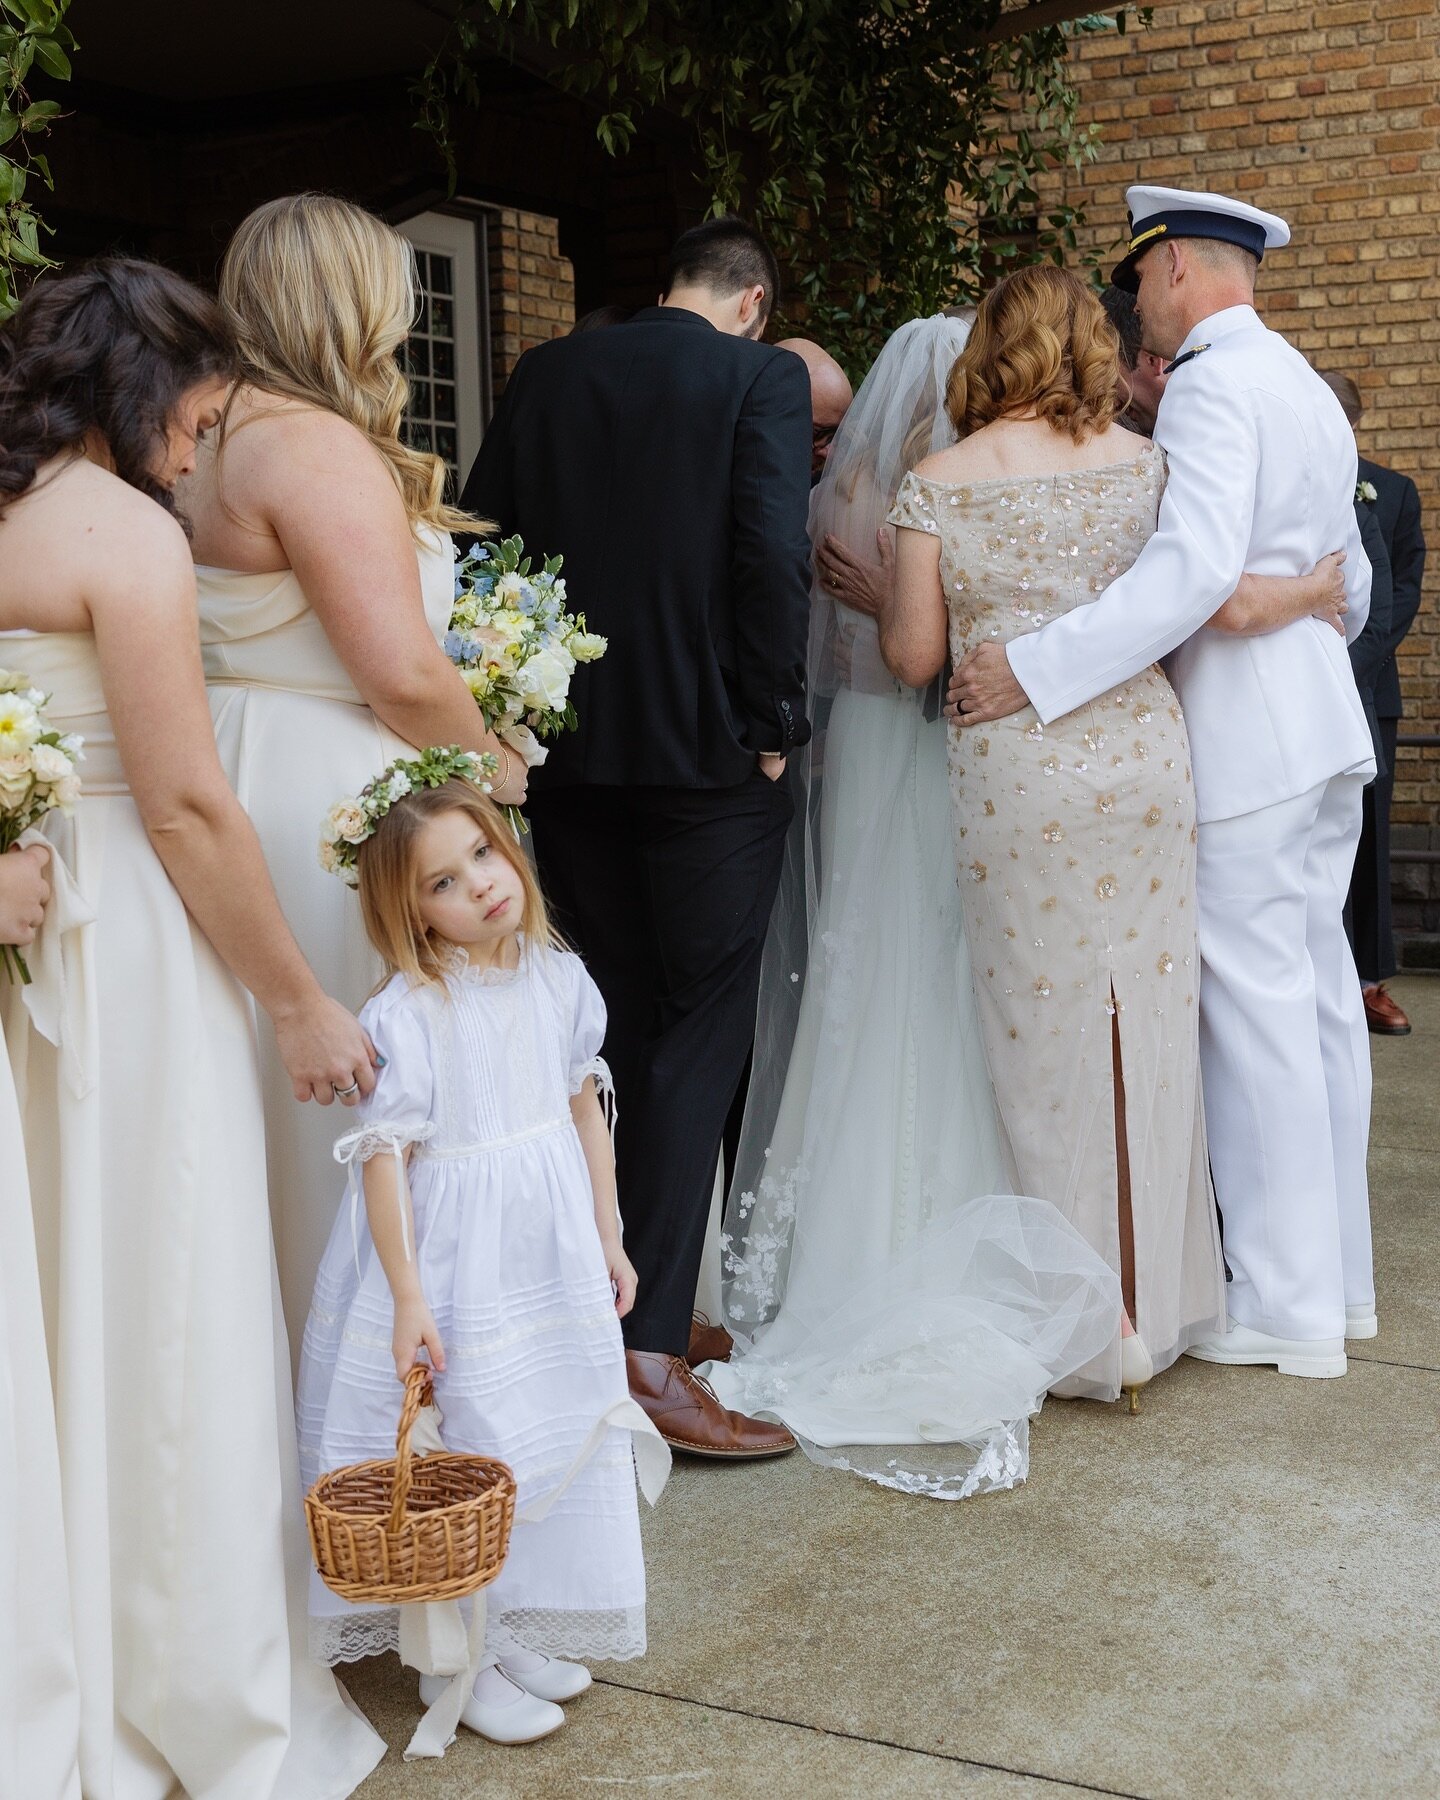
(614, 1636)
(605, 1087)
(358, 1147)
(458, 966)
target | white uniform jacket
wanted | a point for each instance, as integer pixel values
(1262, 478)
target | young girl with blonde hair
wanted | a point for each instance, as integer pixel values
(325, 585)
(490, 1242)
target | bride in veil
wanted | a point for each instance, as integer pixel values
(885, 1288)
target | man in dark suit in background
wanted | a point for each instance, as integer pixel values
(1396, 509)
(666, 458)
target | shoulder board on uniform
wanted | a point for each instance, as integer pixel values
(1189, 356)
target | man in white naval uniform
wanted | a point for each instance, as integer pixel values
(1262, 472)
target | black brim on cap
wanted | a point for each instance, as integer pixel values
(1220, 228)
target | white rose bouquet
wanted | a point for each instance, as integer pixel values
(37, 776)
(517, 646)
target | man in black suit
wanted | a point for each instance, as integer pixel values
(667, 459)
(1396, 510)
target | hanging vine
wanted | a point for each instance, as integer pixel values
(33, 34)
(891, 150)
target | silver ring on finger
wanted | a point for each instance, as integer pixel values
(345, 1092)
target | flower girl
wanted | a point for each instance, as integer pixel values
(493, 1242)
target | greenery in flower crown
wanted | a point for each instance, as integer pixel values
(350, 822)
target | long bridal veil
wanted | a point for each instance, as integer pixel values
(886, 1290)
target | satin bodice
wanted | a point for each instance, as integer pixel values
(258, 630)
(66, 666)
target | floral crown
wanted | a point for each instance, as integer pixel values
(350, 822)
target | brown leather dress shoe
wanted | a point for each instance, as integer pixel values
(1383, 1015)
(686, 1413)
(708, 1343)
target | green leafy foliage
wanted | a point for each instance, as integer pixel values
(33, 34)
(892, 151)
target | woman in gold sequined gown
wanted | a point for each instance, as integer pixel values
(1075, 842)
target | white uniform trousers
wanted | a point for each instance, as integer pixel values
(1285, 1058)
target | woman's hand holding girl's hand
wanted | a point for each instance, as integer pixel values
(622, 1274)
(327, 1052)
(415, 1330)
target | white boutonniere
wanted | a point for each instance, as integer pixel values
(1365, 491)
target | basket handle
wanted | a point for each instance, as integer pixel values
(418, 1392)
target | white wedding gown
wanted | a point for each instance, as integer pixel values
(139, 1094)
(894, 1302)
(294, 737)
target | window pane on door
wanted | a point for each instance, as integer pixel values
(429, 361)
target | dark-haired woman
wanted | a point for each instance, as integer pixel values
(137, 1079)
(1075, 841)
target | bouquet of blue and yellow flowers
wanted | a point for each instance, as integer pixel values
(513, 639)
(37, 776)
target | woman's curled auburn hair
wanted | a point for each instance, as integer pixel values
(110, 348)
(1041, 346)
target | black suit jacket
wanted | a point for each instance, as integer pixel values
(1398, 512)
(1368, 652)
(670, 465)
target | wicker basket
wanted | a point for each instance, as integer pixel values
(434, 1528)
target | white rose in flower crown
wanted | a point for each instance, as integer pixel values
(49, 763)
(544, 681)
(399, 786)
(329, 858)
(16, 778)
(346, 819)
(19, 723)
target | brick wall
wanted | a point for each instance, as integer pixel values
(532, 287)
(1328, 113)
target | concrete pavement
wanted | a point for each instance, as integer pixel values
(1232, 1594)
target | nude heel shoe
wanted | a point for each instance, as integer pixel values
(1136, 1366)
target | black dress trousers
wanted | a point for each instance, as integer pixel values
(666, 894)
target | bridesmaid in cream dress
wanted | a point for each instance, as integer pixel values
(326, 580)
(39, 1698)
(1075, 842)
(137, 1083)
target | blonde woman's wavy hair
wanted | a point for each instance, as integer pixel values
(1041, 345)
(320, 295)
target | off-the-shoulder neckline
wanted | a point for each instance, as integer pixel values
(1110, 468)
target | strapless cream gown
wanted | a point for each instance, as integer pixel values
(294, 737)
(139, 1094)
(39, 1698)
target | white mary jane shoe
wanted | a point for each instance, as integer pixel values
(553, 1680)
(522, 1720)
(1361, 1322)
(1319, 1358)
